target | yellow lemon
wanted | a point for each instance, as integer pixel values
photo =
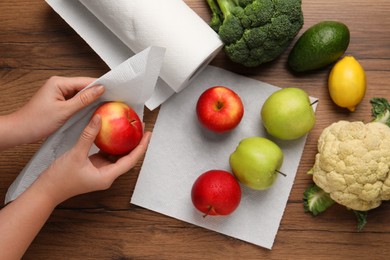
(347, 83)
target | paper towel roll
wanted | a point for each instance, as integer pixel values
(190, 43)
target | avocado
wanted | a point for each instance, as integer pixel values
(319, 46)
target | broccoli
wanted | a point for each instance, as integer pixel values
(255, 31)
(380, 110)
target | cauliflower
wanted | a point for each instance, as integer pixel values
(352, 164)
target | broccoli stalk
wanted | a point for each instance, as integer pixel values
(220, 10)
(380, 110)
(226, 6)
(255, 31)
(230, 28)
(217, 16)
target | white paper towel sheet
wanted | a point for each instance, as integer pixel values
(180, 150)
(132, 81)
(117, 29)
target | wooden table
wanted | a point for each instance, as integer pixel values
(35, 43)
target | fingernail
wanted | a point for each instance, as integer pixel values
(95, 121)
(99, 89)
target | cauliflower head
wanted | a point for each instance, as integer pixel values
(352, 164)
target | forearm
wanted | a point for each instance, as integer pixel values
(13, 131)
(22, 219)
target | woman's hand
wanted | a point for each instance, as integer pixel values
(71, 174)
(54, 103)
(75, 172)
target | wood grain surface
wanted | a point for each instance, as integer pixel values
(35, 43)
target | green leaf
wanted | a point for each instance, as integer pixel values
(380, 110)
(361, 218)
(315, 200)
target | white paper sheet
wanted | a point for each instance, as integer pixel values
(117, 29)
(132, 81)
(180, 150)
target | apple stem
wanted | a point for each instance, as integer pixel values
(282, 173)
(219, 105)
(314, 102)
(210, 208)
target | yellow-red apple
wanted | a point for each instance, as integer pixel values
(121, 129)
(216, 192)
(219, 109)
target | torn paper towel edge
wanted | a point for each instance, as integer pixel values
(110, 48)
(132, 81)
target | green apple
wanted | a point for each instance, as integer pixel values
(287, 114)
(256, 162)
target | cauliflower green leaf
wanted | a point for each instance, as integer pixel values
(361, 218)
(315, 200)
(380, 110)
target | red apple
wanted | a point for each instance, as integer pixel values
(216, 192)
(219, 109)
(121, 129)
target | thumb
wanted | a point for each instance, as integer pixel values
(84, 98)
(88, 135)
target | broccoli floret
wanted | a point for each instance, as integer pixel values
(290, 8)
(238, 52)
(315, 200)
(380, 110)
(256, 31)
(231, 29)
(256, 13)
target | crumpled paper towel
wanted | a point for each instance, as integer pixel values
(117, 29)
(180, 150)
(133, 82)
